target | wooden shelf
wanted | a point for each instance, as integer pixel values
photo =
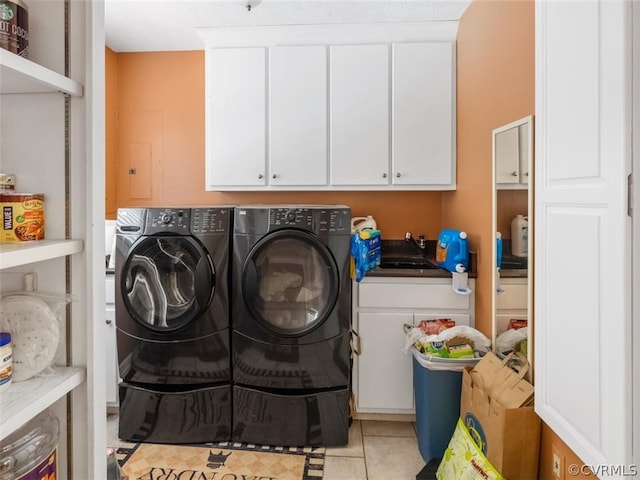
(16, 254)
(24, 400)
(19, 75)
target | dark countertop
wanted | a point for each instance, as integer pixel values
(434, 272)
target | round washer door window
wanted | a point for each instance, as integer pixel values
(167, 282)
(290, 282)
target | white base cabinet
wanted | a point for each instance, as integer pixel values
(382, 306)
(512, 303)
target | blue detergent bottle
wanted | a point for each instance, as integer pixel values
(452, 250)
(498, 249)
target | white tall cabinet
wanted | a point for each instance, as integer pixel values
(586, 312)
(52, 139)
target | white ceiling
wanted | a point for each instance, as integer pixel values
(164, 25)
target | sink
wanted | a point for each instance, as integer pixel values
(404, 254)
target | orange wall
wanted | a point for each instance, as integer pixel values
(495, 85)
(496, 74)
(161, 133)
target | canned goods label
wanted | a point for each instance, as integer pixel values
(47, 469)
(7, 182)
(22, 217)
(14, 27)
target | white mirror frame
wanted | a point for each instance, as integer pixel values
(526, 122)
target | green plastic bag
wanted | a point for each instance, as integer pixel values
(464, 460)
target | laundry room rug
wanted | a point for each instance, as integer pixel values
(218, 461)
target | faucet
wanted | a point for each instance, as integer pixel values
(420, 243)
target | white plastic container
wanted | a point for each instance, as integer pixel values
(520, 236)
(360, 223)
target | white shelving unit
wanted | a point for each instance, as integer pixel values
(14, 255)
(20, 75)
(52, 138)
(26, 399)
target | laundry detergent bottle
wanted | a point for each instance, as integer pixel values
(452, 250)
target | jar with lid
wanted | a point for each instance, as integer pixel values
(31, 452)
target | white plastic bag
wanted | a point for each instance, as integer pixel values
(481, 344)
(509, 339)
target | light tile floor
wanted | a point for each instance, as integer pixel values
(377, 450)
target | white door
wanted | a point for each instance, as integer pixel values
(298, 115)
(236, 117)
(423, 114)
(359, 99)
(583, 317)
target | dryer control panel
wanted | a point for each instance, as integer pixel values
(335, 221)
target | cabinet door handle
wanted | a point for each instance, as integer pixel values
(260, 176)
(514, 174)
(526, 174)
(108, 322)
(384, 175)
(398, 175)
(274, 176)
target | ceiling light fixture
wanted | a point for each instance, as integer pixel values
(251, 4)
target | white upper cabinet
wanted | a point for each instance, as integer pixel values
(298, 115)
(236, 110)
(513, 150)
(331, 107)
(423, 114)
(359, 92)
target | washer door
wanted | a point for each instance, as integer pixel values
(167, 282)
(290, 282)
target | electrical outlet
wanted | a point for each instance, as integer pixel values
(558, 464)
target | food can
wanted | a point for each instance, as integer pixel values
(7, 182)
(14, 27)
(6, 361)
(22, 217)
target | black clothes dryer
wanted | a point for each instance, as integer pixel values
(291, 322)
(172, 319)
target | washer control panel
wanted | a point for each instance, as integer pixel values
(185, 221)
(174, 220)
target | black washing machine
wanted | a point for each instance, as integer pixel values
(172, 319)
(291, 321)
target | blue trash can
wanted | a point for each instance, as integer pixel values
(437, 398)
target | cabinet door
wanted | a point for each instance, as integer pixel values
(359, 126)
(423, 114)
(298, 115)
(236, 117)
(583, 158)
(385, 372)
(508, 156)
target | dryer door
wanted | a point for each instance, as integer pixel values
(167, 282)
(290, 282)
